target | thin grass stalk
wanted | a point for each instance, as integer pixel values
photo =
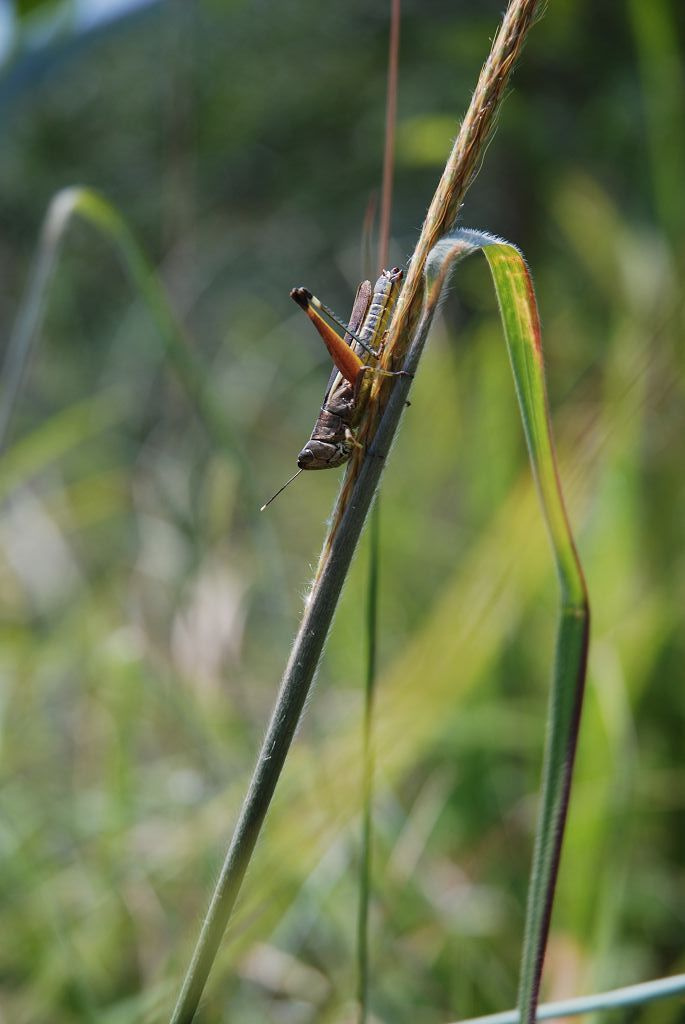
(290, 701)
(389, 143)
(368, 756)
(408, 332)
(368, 768)
(615, 999)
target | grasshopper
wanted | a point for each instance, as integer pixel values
(356, 356)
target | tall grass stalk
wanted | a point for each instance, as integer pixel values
(368, 757)
(354, 502)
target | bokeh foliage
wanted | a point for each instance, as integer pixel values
(145, 616)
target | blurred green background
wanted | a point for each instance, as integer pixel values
(147, 608)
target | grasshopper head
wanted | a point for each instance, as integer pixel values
(323, 455)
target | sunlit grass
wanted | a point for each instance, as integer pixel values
(141, 641)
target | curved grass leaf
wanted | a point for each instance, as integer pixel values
(192, 375)
(94, 208)
(518, 310)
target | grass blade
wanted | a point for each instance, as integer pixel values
(518, 310)
(631, 995)
(94, 208)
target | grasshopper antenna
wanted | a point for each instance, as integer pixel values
(280, 489)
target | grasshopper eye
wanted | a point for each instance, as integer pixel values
(305, 457)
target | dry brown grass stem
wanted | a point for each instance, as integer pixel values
(463, 163)
(460, 170)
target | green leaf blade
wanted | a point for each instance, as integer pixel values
(521, 324)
